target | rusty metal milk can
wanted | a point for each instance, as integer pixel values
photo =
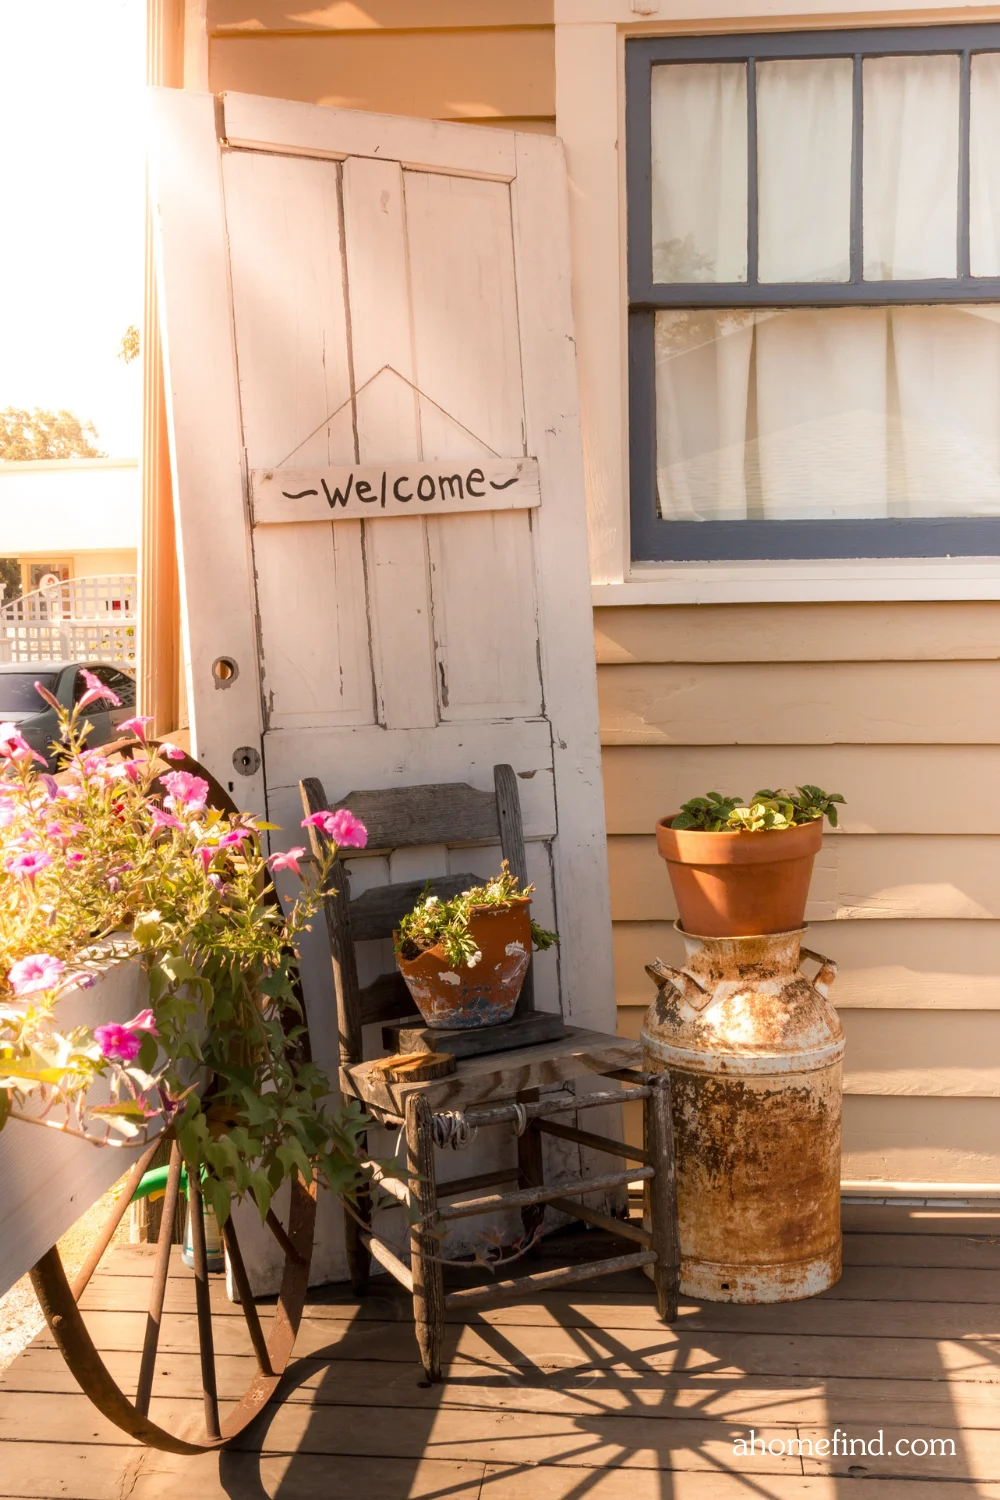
(754, 1050)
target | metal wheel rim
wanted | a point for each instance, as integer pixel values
(69, 1331)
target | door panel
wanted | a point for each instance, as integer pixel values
(294, 371)
(388, 428)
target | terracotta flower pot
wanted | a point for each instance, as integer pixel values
(740, 884)
(485, 995)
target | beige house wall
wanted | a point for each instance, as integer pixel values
(480, 61)
(882, 681)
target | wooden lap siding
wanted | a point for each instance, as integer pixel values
(898, 707)
(492, 62)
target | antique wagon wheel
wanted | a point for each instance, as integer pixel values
(271, 1350)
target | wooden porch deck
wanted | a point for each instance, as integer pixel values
(581, 1395)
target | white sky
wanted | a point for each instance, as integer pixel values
(71, 209)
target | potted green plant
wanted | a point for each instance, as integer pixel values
(742, 868)
(464, 959)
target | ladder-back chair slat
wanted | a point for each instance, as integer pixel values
(442, 813)
(378, 912)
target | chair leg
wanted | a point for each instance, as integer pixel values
(425, 1241)
(662, 1197)
(531, 1171)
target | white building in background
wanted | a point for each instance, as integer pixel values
(70, 518)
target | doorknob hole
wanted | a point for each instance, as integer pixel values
(225, 671)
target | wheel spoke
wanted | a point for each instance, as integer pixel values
(112, 1222)
(247, 1303)
(161, 1271)
(204, 1308)
(276, 1227)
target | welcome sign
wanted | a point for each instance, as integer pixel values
(363, 491)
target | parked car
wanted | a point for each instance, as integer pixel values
(36, 720)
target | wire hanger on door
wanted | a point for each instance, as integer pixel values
(370, 381)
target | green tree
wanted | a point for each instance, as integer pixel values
(10, 576)
(45, 434)
(130, 346)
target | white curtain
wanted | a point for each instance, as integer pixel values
(984, 165)
(836, 412)
(804, 170)
(699, 124)
(910, 188)
(828, 413)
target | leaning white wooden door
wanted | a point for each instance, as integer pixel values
(378, 475)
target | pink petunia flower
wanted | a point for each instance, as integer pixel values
(234, 836)
(13, 745)
(26, 866)
(50, 698)
(127, 770)
(287, 861)
(341, 826)
(160, 819)
(206, 855)
(136, 725)
(64, 833)
(217, 881)
(74, 857)
(170, 751)
(187, 793)
(144, 1021)
(39, 971)
(94, 764)
(117, 1041)
(8, 811)
(96, 690)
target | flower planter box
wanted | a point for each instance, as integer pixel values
(47, 1179)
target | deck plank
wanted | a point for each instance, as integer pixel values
(780, 1399)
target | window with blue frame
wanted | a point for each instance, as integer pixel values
(814, 294)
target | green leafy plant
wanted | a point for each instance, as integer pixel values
(120, 854)
(766, 810)
(433, 921)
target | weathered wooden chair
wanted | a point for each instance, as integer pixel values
(489, 1086)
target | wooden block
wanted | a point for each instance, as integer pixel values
(420, 1067)
(411, 1035)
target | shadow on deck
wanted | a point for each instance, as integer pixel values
(580, 1395)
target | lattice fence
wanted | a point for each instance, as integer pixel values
(88, 619)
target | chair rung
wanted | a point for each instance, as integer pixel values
(544, 1280)
(526, 1196)
(386, 1259)
(479, 1180)
(595, 1142)
(550, 1104)
(620, 1227)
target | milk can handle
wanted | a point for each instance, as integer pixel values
(827, 971)
(694, 993)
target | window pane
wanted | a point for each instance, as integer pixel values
(699, 125)
(984, 166)
(910, 167)
(828, 413)
(804, 120)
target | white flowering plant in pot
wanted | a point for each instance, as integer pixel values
(123, 849)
